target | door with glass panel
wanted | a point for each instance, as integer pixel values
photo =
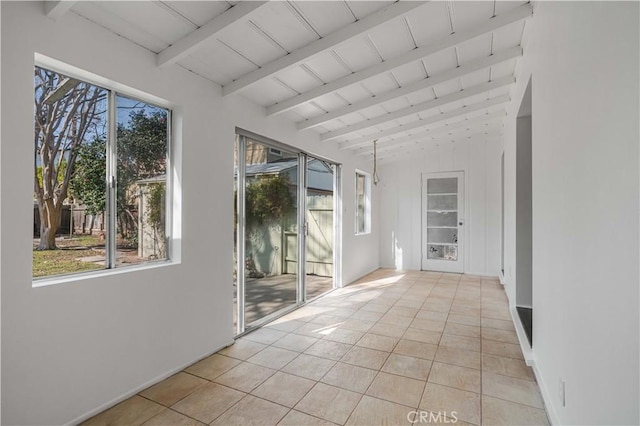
(442, 221)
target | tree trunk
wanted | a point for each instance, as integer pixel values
(50, 216)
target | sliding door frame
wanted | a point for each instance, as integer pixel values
(301, 297)
(337, 225)
(301, 264)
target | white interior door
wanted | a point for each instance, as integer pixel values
(442, 221)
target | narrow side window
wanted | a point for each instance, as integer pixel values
(363, 203)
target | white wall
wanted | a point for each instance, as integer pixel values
(583, 59)
(69, 349)
(401, 203)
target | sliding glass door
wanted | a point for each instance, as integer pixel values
(320, 226)
(284, 229)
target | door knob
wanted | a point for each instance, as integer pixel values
(460, 223)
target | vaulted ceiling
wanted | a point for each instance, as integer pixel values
(407, 74)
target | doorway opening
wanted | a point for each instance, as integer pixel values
(524, 241)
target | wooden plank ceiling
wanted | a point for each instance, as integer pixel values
(405, 73)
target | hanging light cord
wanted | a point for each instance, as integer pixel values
(376, 179)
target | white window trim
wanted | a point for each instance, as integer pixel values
(367, 202)
(83, 276)
(113, 89)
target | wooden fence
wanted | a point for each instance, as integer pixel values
(83, 223)
(272, 250)
(319, 238)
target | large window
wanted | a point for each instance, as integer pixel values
(100, 178)
(363, 203)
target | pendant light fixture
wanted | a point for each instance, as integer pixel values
(376, 179)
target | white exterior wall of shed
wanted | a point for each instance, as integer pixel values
(72, 349)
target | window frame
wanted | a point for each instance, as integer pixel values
(113, 90)
(366, 201)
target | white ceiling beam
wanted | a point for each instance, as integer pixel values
(493, 130)
(492, 133)
(55, 9)
(444, 125)
(411, 152)
(426, 83)
(187, 44)
(332, 40)
(441, 129)
(424, 138)
(421, 107)
(514, 15)
(427, 121)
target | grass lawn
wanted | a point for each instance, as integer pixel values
(65, 259)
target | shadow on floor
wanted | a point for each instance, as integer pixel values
(264, 296)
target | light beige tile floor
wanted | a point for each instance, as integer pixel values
(384, 350)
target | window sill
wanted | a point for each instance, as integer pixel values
(362, 233)
(82, 276)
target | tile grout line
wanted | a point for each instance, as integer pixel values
(392, 299)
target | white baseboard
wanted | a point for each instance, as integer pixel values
(503, 281)
(546, 397)
(364, 275)
(140, 388)
(481, 274)
(529, 358)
